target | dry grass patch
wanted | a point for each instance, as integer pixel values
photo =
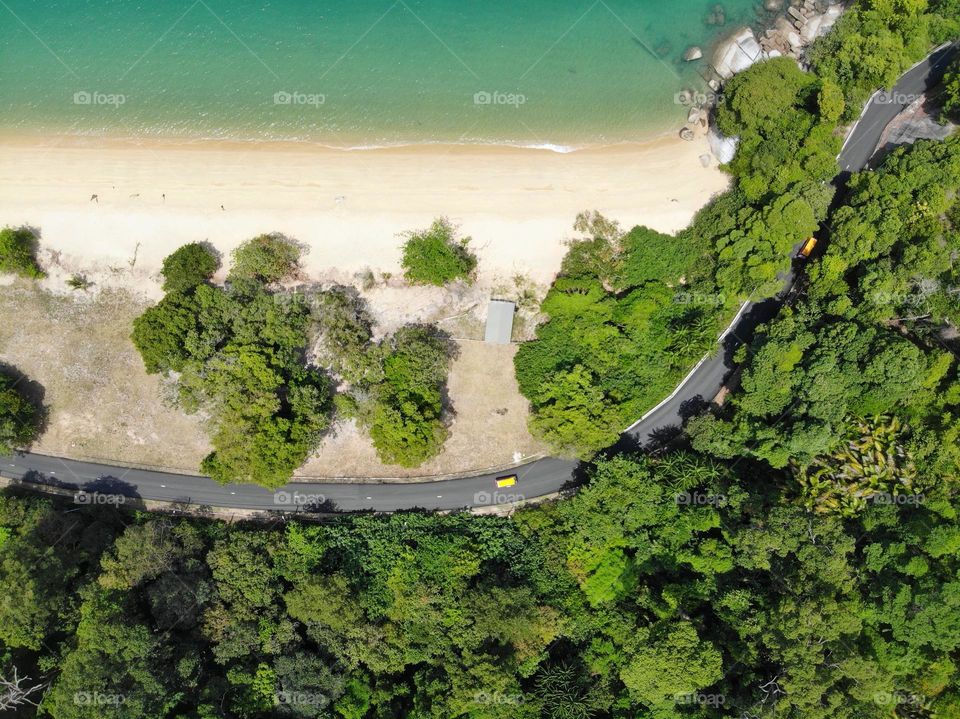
(489, 426)
(102, 404)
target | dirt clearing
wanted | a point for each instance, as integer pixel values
(103, 406)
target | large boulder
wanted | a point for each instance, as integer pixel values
(722, 147)
(737, 54)
(693, 53)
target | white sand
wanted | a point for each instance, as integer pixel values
(348, 207)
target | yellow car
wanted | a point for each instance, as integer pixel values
(506, 481)
(807, 247)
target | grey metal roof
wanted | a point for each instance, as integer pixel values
(499, 322)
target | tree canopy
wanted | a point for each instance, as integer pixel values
(188, 266)
(20, 417)
(435, 256)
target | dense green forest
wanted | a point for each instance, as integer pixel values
(668, 587)
(629, 314)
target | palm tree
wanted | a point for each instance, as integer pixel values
(870, 463)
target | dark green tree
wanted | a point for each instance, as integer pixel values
(188, 267)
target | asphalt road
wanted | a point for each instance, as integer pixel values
(100, 483)
(861, 144)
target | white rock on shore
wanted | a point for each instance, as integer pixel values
(790, 35)
(737, 54)
(722, 147)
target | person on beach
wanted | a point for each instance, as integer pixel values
(95, 198)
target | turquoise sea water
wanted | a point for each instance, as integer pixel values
(357, 73)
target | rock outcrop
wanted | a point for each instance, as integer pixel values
(803, 22)
(737, 54)
(722, 147)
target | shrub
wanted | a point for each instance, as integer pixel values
(79, 282)
(18, 249)
(344, 334)
(435, 256)
(188, 266)
(19, 418)
(267, 258)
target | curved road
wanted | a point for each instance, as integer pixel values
(706, 379)
(100, 483)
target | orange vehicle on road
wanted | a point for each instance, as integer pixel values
(807, 247)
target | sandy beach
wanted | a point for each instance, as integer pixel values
(348, 207)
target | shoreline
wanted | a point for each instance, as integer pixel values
(13, 136)
(107, 141)
(105, 205)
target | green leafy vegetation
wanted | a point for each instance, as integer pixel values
(872, 462)
(799, 559)
(628, 314)
(595, 367)
(866, 340)
(20, 417)
(404, 411)
(265, 259)
(18, 253)
(435, 256)
(395, 386)
(239, 352)
(875, 41)
(189, 266)
(950, 99)
(892, 243)
(784, 118)
(667, 587)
